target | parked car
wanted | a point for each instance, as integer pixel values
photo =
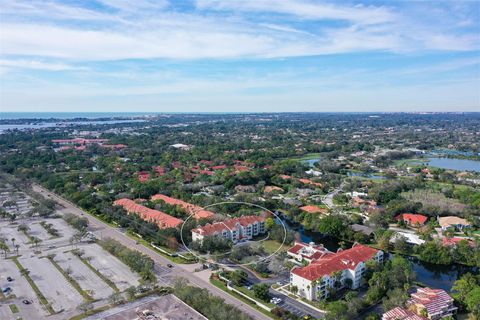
(26, 301)
(170, 265)
(6, 290)
(9, 279)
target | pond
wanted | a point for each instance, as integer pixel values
(433, 275)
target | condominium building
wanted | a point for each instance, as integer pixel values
(236, 229)
(333, 270)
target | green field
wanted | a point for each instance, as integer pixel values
(271, 246)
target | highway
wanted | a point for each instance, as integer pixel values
(200, 279)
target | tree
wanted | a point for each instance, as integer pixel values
(238, 277)
(395, 298)
(473, 301)
(332, 225)
(131, 292)
(269, 223)
(401, 244)
(85, 307)
(261, 291)
(115, 298)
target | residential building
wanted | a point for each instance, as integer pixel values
(237, 229)
(160, 218)
(434, 303)
(302, 251)
(197, 211)
(412, 219)
(453, 222)
(314, 209)
(453, 242)
(401, 314)
(333, 271)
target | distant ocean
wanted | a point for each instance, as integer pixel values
(70, 115)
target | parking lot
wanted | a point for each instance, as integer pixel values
(85, 277)
(52, 283)
(20, 289)
(111, 267)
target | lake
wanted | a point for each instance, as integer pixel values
(433, 275)
(454, 164)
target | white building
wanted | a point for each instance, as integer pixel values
(334, 270)
(237, 229)
(307, 252)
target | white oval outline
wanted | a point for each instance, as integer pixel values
(235, 202)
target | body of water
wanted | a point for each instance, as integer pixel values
(70, 115)
(41, 125)
(365, 175)
(433, 275)
(454, 164)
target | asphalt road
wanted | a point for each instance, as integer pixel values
(103, 230)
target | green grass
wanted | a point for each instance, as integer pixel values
(271, 246)
(100, 275)
(72, 281)
(222, 286)
(37, 291)
(252, 295)
(13, 308)
(178, 260)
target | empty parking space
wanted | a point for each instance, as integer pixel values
(36, 230)
(10, 231)
(85, 277)
(52, 284)
(66, 231)
(111, 267)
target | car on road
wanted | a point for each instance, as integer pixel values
(9, 279)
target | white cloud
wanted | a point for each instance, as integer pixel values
(40, 65)
(305, 9)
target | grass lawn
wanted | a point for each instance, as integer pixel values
(251, 295)
(13, 308)
(271, 246)
(222, 286)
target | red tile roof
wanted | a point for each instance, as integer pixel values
(455, 240)
(412, 218)
(188, 207)
(346, 259)
(433, 300)
(218, 227)
(315, 252)
(308, 181)
(401, 314)
(313, 209)
(143, 176)
(162, 219)
(220, 167)
(160, 170)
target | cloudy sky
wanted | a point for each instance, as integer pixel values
(245, 55)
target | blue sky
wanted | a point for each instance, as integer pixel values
(250, 55)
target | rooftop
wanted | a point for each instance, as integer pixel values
(162, 219)
(230, 224)
(345, 259)
(198, 211)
